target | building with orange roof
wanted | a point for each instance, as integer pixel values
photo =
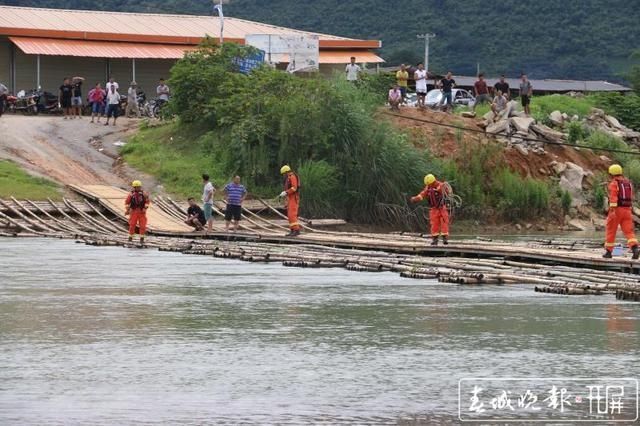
(39, 47)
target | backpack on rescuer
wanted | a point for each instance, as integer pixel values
(625, 193)
(138, 200)
(286, 179)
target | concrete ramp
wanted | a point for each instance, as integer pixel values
(112, 199)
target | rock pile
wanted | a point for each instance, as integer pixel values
(515, 129)
(598, 120)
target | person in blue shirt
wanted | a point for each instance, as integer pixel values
(234, 195)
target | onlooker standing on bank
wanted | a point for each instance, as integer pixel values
(502, 86)
(111, 82)
(96, 98)
(526, 91)
(353, 70)
(207, 201)
(420, 77)
(446, 85)
(113, 105)
(132, 101)
(402, 79)
(234, 195)
(64, 98)
(481, 92)
(76, 100)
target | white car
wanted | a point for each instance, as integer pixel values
(460, 97)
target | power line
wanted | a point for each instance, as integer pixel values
(528, 139)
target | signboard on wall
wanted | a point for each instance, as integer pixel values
(300, 51)
(245, 65)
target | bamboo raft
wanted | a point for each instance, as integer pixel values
(552, 266)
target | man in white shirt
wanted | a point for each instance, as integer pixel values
(420, 77)
(162, 91)
(207, 201)
(113, 105)
(110, 83)
(353, 70)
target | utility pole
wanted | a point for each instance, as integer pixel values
(426, 38)
(218, 7)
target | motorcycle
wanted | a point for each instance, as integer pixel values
(25, 102)
(48, 102)
(153, 107)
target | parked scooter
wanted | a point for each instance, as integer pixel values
(25, 102)
(48, 103)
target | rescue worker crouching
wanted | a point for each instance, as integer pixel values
(435, 193)
(620, 191)
(291, 191)
(136, 206)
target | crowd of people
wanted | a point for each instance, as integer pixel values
(103, 101)
(496, 96)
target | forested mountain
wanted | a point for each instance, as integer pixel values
(546, 38)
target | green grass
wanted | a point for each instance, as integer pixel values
(542, 106)
(17, 183)
(175, 156)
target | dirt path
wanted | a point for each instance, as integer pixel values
(69, 151)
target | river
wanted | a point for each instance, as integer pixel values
(125, 336)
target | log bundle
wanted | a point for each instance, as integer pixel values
(88, 223)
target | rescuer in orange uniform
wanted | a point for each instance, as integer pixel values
(435, 192)
(292, 192)
(136, 206)
(620, 203)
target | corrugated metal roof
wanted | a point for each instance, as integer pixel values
(99, 49)
(116, 49)
(551, 85)
(344, 56)
(144, 27)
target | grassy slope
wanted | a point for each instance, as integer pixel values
(17, 183)
(174, 156)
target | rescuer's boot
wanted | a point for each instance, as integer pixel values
(445, 240)
(130, 238)
(607, 255)
(434, 241)
(141, 240)
(636, 252)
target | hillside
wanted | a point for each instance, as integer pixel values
(571, 39)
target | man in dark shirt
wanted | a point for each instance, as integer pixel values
(446, 85)
(195, 215)
(502, 86)
(66, 92)
(481, 92)
(76, 99)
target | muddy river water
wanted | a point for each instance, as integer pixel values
(115, 336)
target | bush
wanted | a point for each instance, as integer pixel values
(320, 188)
(521, 198)
(602, 141)
(625, 108)
(598, 196)
(565, 201)
(576, 132)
